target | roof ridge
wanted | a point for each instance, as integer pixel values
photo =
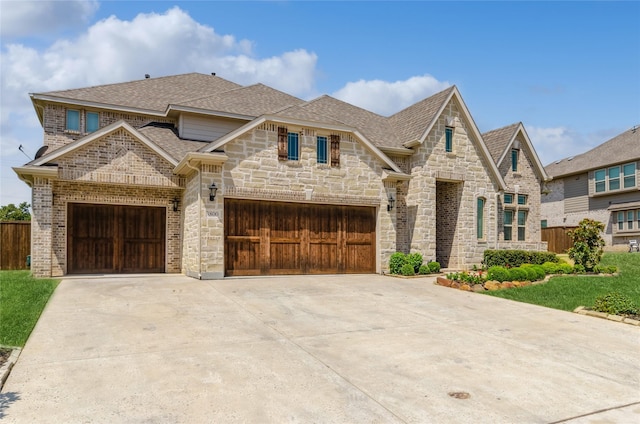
(450, 88)
(515, 124)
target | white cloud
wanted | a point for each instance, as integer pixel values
(29, 18)
(387, 98)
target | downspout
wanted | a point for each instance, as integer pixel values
(199, 218)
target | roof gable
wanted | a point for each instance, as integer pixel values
(624, 147)
(103, 132)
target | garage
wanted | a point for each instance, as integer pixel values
(263, 238)
(115, 239)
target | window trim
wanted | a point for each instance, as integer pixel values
(481, 203)
(66, 122)
(505, 225)
(522, 226)
(626, 179)
(293, 142)
(448, 139)
(324, 150)
(515, 159)
(97, 115)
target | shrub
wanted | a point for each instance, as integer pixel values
(515, 258)
(578, 269)
(615, 303)
(434, 267)
(612, 269)
(587, 243)
(407, 269)
(396, 261)
(498, 273)
(534, 272)
(518, 274)
(550, 268)
(415, 260)
(565, 268)
(424, 270)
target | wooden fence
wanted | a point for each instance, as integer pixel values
(557, 238)
(15, 244)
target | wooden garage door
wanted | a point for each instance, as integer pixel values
(115, 239)
(290, 238)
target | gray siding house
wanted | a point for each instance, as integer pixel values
(602, 184)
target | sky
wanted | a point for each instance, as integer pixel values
(570, 71)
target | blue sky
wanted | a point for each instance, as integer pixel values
(570, 71)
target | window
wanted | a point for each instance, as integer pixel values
(515, 153)
(620, 220)
(292, 146)
(92, 122)
(321, 147)
(522, 199)
(73, 120)
(615, 178)
(522, 222)
(638, 218)
(543, 223)
(600, 183)
(629, 171)
(630, 216)
(508, 225)
(448, 142)
(480, 218)
(508, 198)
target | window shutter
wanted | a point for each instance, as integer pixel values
(335, 150)
(282, 143)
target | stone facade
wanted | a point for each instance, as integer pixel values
(465, 172)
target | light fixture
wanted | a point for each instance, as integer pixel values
(212, 191)
(392, 201)
(176, 203)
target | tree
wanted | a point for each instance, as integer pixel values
(587, 243)
(12, 212)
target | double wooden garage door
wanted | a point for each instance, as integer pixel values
(115, 239)
(288, 238)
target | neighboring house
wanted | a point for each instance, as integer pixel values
(602, 184)
(524, 175)
(196, 174)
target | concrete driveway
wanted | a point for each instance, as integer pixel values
(334, 349)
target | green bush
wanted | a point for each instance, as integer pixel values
(434, 267)
(550, 267)
(498, 273)
(415, 260)
(565, 268)
(515, 258)
(396, 262)
(518, 274)
(612, 269)
(578, 269)
(615, 303)
(587, 243)
(424, 270)
(534, 272)
(407, 269)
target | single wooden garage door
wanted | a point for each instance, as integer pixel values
(115, 239)
(289, 238)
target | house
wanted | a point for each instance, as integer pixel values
(524, 175)
(196, 174)
(602, 184)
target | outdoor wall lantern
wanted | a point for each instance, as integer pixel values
(392, 201)
(176, 203)
(212, 191)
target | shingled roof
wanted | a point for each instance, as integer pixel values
(166, 137)
(497, 140)
(624, 147)
(153, 94)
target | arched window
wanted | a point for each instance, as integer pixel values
(480, 218)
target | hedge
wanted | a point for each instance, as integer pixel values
(515, 258)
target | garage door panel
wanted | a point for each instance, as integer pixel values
(115, 239)
(293, 238)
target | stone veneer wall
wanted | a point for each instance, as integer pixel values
(253, 171)
(529, 184)
(55, 123)
(464, 165)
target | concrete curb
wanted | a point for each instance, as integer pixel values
(6, 367)
(583, 311)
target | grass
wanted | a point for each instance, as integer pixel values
(569, 292)
(22, 299)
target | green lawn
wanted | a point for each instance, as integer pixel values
(22, 299)
(569, 292)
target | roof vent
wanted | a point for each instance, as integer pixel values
(558, 161)
(213, 74)
(147, 76)
(570, 158)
